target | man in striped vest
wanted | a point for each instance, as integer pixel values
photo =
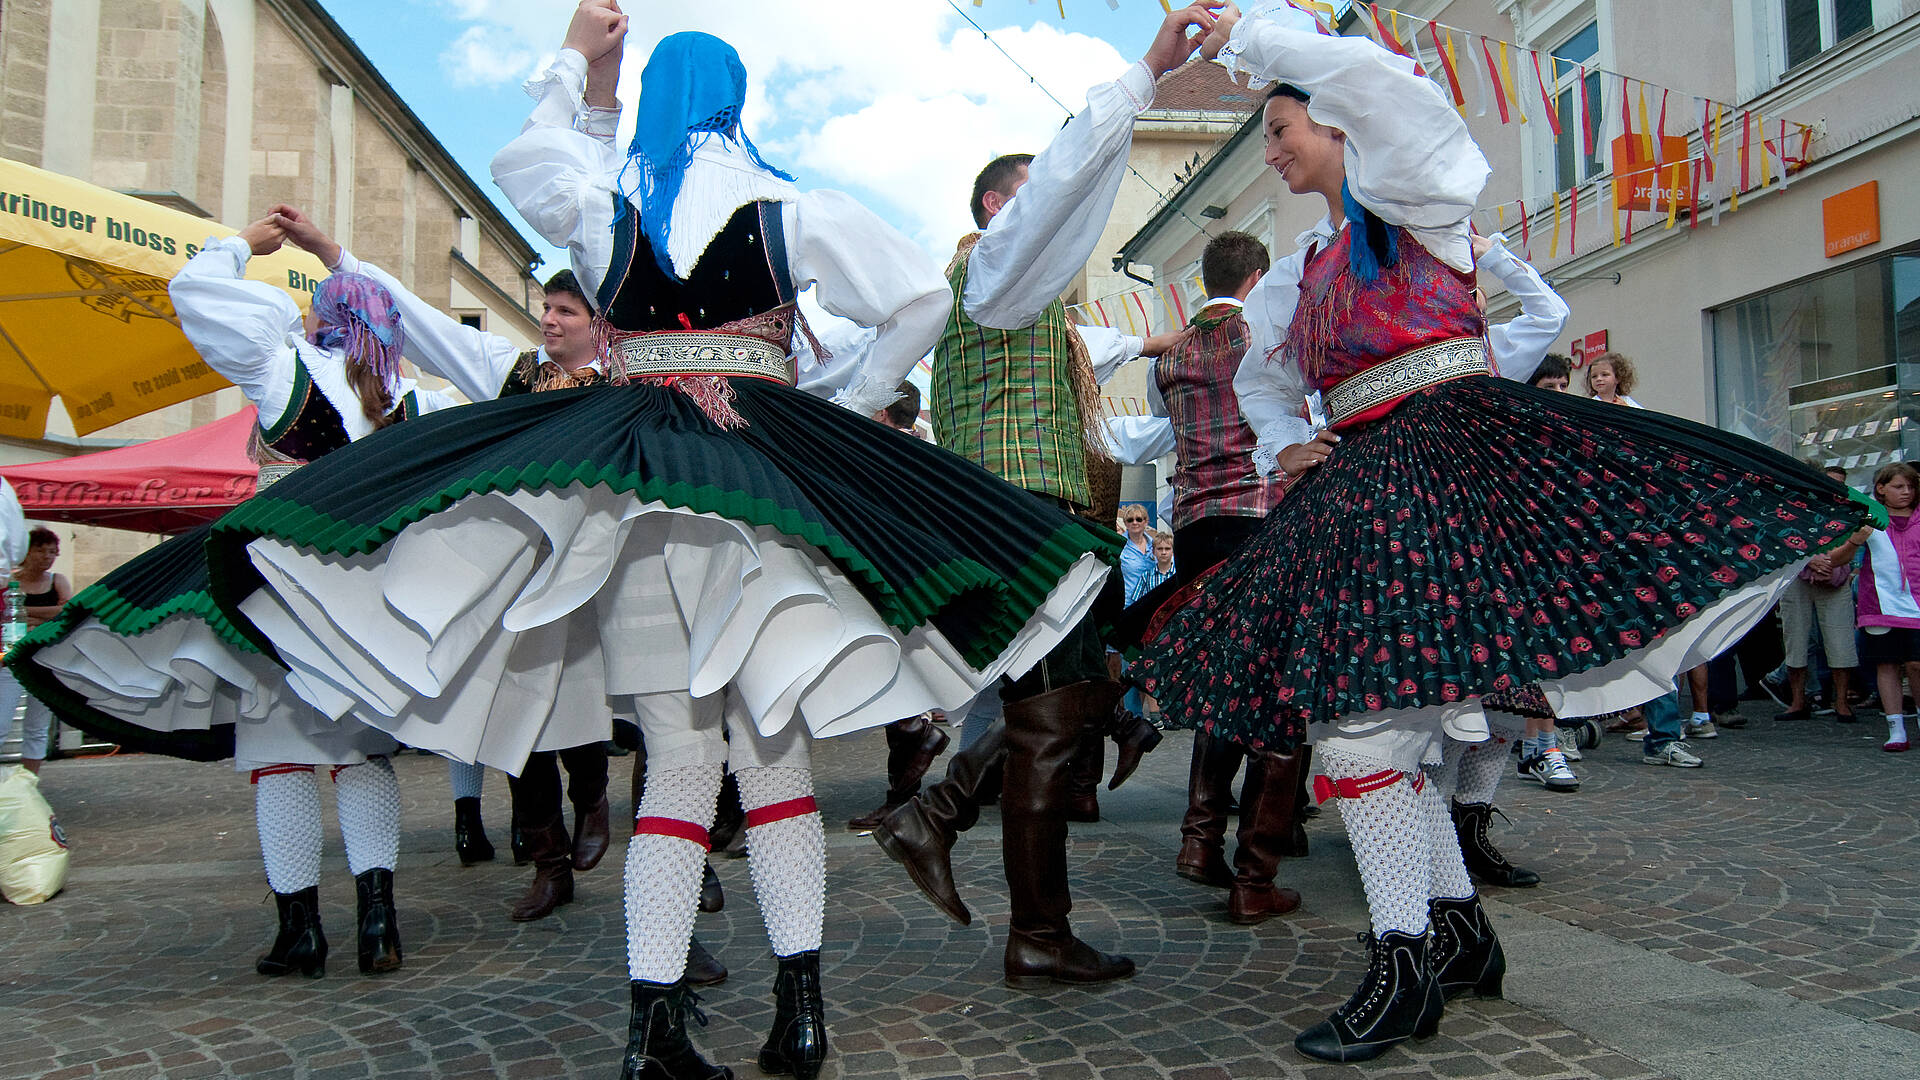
(1016, 390)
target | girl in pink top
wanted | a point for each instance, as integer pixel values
(1889, 605)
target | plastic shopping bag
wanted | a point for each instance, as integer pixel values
(33, 849)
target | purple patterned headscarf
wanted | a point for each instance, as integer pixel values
(357, 314)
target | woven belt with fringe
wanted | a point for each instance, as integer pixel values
(1426, 366)
(273, 473)
(673, 355)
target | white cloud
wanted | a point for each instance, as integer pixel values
(901, 109)
(486, 55)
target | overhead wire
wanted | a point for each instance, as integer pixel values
(1165, 199)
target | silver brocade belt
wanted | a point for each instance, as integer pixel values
(272, 474)
(1426, 366)
(677, 355)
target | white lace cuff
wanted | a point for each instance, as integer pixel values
(866, 396)
(1277, 436)
(1275, 10)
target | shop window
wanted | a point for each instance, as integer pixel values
(1827, 369)
(1811, 27)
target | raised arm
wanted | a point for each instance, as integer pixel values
(243, 329)
(562, 176)
(1034, 248)
(1409, 157)
(1519, 345)
(474, 361)
(868, 272)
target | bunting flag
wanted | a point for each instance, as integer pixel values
(1546, 95)
(1766, 168)
(1448, 67)
(1693, 208)
(1615, 179)
(1673, 200)
(1706, 124)
(1746, 150)
(1526, 236)
(1553, 245)
(1573, 222)
(1513, 84)
(1480, 80)
(1586, 114)
(1660, 132)
(1499, 94)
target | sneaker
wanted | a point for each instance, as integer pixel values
(1551, 770)
(1896, 735)
(1676, 754)
(1775, 684)
(1702, 731)
(1637, 735)
(1732, 721)
(1569, 740)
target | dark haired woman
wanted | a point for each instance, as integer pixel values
(1450, 534)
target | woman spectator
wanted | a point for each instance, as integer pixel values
(1136, 558)
(1610, 379)
(45, 594)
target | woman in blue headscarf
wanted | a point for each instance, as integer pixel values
(145, 659)
(748, 564)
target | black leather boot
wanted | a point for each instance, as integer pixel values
(299, 946)
(912, 746)
(703, 968)
(1467, 957)
(1483, 860)
(1398, 999)
(712, 896)
(518, 843)
(657, 1044)
(379, 922)
(469, 836)
(798, 1042)
(1135, 736)
(919, 834)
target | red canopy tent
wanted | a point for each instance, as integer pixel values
(165, 486)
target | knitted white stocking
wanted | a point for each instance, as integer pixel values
(1384, 823)
(367, 797)
(787, 854)
(286, 804)
(664, 863)
(1476, 769)
(466, 780)
(1449, 880)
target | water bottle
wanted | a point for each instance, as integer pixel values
(16, 624)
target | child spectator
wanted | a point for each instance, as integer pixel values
(1826, 600)
(1889, 604)
(1610, 379)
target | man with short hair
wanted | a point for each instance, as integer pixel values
(1016, 390)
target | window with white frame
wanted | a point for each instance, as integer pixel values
(1811, 27)
(1572, 165)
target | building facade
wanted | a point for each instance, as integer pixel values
(224, 108)
(1794, 319)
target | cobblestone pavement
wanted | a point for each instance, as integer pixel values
(1756, 918)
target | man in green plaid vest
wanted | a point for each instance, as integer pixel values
(1016, 390)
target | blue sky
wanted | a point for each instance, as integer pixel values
(900, 111)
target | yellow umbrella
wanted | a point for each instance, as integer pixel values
(84, 312)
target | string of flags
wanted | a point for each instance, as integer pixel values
(1135, 311)
(1662, 152)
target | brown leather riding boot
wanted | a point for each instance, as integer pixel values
(587, 791)
(912, 746)
(1266, 831)
(552, 870)
(1203, 832)
(1043, 734)
(919, 833)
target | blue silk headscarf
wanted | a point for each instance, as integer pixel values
(694, 86)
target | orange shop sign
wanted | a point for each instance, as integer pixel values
(1851, 219)
(1645, 185)
(1588, 348)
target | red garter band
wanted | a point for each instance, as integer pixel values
(666, 826)
(278, 770)
(781, 811)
